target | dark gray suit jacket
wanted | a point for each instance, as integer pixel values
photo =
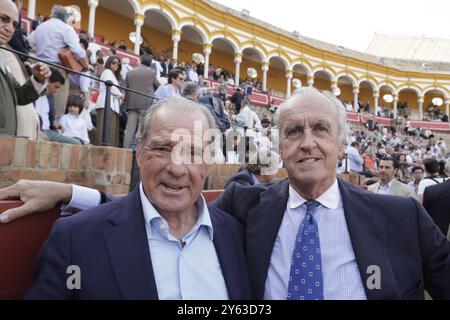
(142, 79)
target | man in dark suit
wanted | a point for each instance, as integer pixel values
(316, 237)
(436, 200)
(142, 79)
(161, 241)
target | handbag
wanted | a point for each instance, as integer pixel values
(68, 60)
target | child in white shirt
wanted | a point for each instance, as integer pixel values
(74, 126)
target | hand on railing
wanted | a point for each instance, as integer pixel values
(37, 196)
(41, 72)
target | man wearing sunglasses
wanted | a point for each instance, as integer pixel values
(176, 80)
(11, 93)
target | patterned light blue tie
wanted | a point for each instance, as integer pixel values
(305, 279)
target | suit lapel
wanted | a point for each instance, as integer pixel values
(367, 234)
(263, 224)
(129, 252)
(224, 250)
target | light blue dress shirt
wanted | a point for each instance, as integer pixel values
(166, 91)
(341, 277)
(189, 272)
(54, 35)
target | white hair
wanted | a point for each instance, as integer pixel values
(305, 92)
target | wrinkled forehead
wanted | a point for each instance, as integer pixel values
(313, 107)
(174, 126)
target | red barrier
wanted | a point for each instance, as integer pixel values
(21, 241)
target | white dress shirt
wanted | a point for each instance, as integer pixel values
(74, 127)
(189, 272)
(54, 35)
(341, 277)
(43, 109)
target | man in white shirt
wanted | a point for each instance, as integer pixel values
(50, 38)
(387, 168)
(46, 111)
(433, 177)
(355, 161)
(176, 80)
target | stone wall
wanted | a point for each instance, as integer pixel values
(105, 168)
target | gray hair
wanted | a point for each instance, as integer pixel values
(311, 91)
(175, 103)
(59, 12)
(190, 89)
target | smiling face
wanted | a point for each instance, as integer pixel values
(310, 144)
(171, 188)
(9, 19)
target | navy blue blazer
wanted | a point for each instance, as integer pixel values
(436, 199)
(394, 233)
(109, 244)
(242, 177)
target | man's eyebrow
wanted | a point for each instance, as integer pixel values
(292, 126)
(322, 122)
(158, 142)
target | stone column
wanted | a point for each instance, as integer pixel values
(206, 52)
(237, 69)
(355, 98)
(394, 105)
(176, 36)
(31, 10)
(138, 22)
(420, 102)
(265, 68)
(310, 81)
(289, 74)
(334, 88)
(93, 4)
(376, 95)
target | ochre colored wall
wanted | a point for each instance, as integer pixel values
(322, 84)
(346, 92)
(410, 97)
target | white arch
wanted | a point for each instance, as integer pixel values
(226, 39)
(280, 57)
(438, 89)
(197, 28)
(304, 66)
(328, 73)
(136, 6)
(346, 75)
(419, 93)
(391, 88)
(258, 51)
(171, 19)
(372, 85)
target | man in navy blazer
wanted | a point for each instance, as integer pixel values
(159, 242)
(363, 245)
(436, 199)
(371, 246)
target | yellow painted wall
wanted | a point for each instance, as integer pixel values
(322, 84)
(346, 92)
(410, 97)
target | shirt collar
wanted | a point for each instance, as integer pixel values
(150, 213)
(386, 187)
(329, 199)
